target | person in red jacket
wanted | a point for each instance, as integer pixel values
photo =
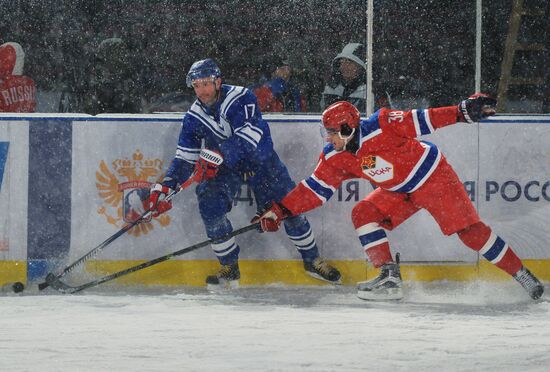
(279, 94)
(17, 92)
(410, 175)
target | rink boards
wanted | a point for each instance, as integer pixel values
(69, 182)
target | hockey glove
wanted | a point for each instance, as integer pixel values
(477, 107)
(208, 165)
(271, 219)
(157, 204)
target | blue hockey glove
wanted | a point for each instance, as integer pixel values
(477, 107)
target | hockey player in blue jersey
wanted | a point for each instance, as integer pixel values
(227, 122)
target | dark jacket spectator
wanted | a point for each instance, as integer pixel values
(113, 83)
(17, 92)
(279, 94)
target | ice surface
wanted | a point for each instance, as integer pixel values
(436, 327)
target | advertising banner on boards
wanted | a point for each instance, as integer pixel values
(117, 161)
(14, 160)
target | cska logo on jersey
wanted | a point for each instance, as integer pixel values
(124, 188)
(368, 162)
(377, 168)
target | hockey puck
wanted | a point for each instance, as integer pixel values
(18, 287)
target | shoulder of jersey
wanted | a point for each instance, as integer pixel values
(233, 94)
(329, 151)
(370, 127)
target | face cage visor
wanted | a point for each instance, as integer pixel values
(326, 131)
(201, 74)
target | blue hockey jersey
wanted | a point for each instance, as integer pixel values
(232, 126)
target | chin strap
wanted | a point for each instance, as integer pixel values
(348, 138)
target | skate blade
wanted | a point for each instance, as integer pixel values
(319, 277)
(391, 294)
(225, 285)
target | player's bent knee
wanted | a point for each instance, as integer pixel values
(365, 212)
(475, 236)
(212, 206)
(296, 221)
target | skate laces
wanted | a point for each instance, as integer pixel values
(225, 271)
(322, 266)
(526, 279)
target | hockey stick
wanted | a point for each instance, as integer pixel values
(62, 287)
(52, 277)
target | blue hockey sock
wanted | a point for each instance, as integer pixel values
(227, 250)
(299, 231)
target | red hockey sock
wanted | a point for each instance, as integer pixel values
(367, 221)
(379, 254)
(480, 238)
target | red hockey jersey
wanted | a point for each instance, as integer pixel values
(17, 92)
(389, 156)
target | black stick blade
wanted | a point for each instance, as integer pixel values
(49, 279)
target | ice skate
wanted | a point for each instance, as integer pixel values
(531, 284)
(320, 269)
(386, 286)
(226, 278)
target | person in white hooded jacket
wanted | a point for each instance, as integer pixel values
(348, 80)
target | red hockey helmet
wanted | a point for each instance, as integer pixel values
(341, 114)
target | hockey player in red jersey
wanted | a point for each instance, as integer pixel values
(410, 175)
(17, 92)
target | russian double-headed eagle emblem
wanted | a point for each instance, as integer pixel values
(124, 188)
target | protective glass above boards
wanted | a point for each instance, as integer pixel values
(296, 56)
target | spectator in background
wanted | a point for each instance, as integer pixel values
(349, 78)
(113, 86)
(17, 92)
(279, 94)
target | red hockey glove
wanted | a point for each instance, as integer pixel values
(157, 204)
(477, 107)
(208, 165)
(271, 219)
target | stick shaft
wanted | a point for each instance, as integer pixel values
(159, 260)
(112, 238)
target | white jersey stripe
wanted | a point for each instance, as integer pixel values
(232, 96)
(187, 156)
(416, 123)
(208, 122)
(428, 121)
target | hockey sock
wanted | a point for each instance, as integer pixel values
(299, 232)
(374, 240)
(366, 220)
(480, 238)
(227, 251)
